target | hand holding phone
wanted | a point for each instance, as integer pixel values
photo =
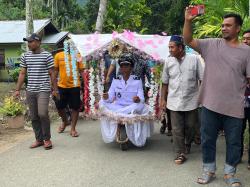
(197, 10)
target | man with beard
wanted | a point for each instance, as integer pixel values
(227, 71)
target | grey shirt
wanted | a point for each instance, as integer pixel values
(224, 81)
(183, 82)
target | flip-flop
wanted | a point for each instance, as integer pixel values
(74, 134)
(231, 181)
(206, 178)
(180, 159)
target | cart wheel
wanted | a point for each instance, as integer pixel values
(124, 146)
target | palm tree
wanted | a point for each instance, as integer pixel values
(29, 19)
(101, 14)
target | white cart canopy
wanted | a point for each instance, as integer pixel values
(154, 45)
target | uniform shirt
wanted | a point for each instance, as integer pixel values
(123, 92)
(183, 82)
(37, 65)
(224, 82)
(66, 81)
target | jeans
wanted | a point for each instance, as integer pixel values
(211, 123)
(245, 120)
(38, 107)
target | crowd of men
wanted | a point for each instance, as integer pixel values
(220, 89)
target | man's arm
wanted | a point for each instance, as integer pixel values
(53, 72)
(164, 94)
(111, 69)
(20, 81)
(187, 30)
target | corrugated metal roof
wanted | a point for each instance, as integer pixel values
(54, 38)
(15, 31)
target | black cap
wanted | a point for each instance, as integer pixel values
(176, 39)
(126, 58)
(32, 37)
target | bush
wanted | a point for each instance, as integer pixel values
(12, 107)
(14, 74)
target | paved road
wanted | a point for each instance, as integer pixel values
(87, 161)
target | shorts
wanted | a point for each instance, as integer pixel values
(70, 97)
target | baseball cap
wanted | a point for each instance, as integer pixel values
(32, 37)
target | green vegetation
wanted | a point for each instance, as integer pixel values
(79, 16)
(209, 25)
(12, 107)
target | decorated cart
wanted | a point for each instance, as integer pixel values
(152, 48)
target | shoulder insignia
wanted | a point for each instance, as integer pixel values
(118, 77)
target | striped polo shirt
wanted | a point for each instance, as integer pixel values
(37, 66)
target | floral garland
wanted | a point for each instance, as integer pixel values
(68, 47)
(66, 57)
(94, 83)
(86, 92)
(151, 92)
(92, 91)
(73, 63)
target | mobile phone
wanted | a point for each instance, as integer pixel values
(198, 10)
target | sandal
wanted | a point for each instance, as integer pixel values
(206, 178)
(169, 133)
(62, 127)
(74, 134)
(232, 181)
(163, 129)
(180, 159)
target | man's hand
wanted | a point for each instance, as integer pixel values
(107, 80)
(105, 96)
(163, 105)
(136, 99)
(162, 111)
(55, 93)
(188, 15)
(16, 94)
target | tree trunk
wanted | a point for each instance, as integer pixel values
(101, 14)
(29, 19)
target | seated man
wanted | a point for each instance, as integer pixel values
(123, 113)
